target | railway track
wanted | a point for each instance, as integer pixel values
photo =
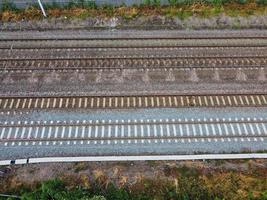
(33, 47)
(197, 51)
(129, 37)
(133, 131)
(125, 102)
(141, 43)
(130, 62)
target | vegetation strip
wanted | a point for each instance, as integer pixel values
(149, 180)
(181, 9)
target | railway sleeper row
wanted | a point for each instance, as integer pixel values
(106, 102)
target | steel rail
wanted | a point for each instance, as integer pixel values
(141, 95)
(131, 58)
(144, 37)
(130, 47)
(94, 69)
(131, 123)
(7, 69)
(129, 138)
(131, 52)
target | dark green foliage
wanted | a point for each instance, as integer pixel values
(172, 2)
(8, 6)
(156, 2)
(82, 4)
(151, 3)
(241, 1)
(261, 2)
(113, 192)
